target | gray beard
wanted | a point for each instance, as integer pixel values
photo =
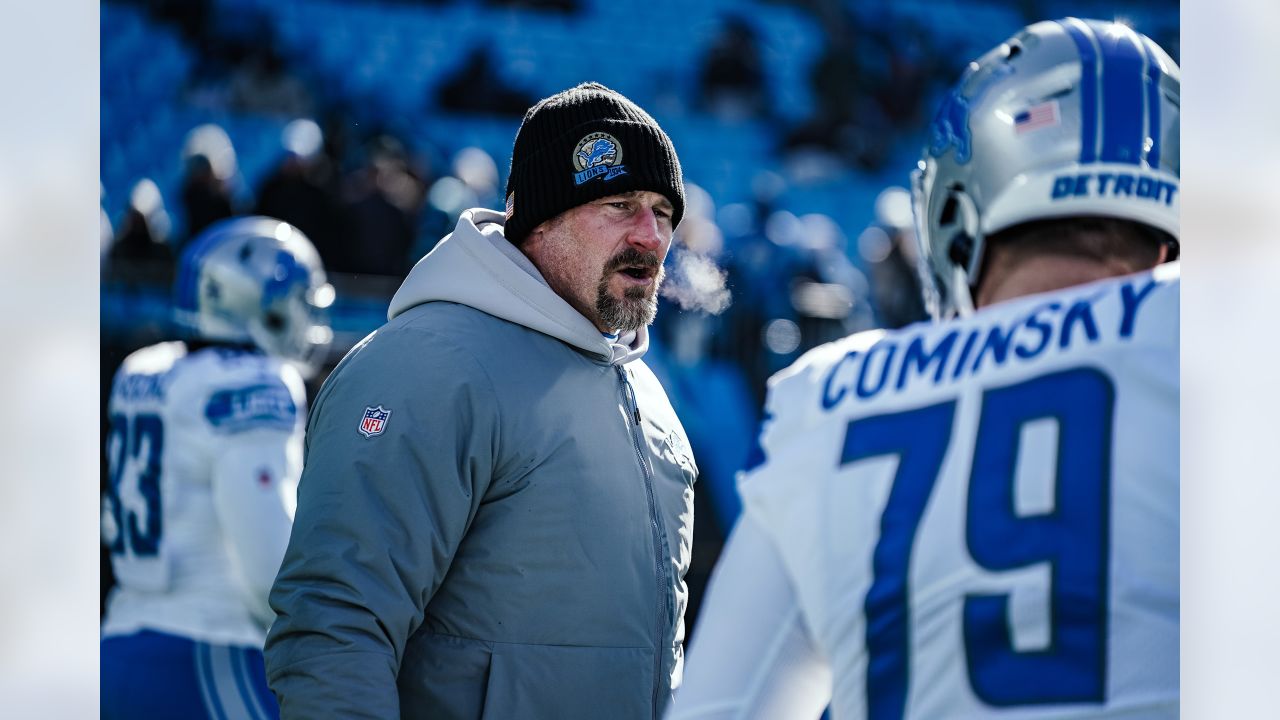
(633, 311)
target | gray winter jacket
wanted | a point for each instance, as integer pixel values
(509, 539)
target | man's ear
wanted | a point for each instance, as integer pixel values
(537, 237)
(533, 240)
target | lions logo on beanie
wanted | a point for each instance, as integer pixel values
(569, 151)
(598, 155)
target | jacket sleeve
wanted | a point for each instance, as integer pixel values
(379, 519)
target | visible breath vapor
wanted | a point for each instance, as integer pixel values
(694, 282)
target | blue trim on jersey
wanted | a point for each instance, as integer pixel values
(246, 697)
(1088, 91)
(256, 672)
(1123, 129)
(1154, 129)
(151, 674)
(209, 683)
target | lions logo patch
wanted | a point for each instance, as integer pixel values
(374, 421)
(597, 155)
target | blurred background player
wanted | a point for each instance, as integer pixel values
(204, 451)
(979, 518)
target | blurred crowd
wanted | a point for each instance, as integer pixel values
(374, 202)
(791, 282)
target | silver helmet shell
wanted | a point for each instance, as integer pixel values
(1066, 118)
(259, 281)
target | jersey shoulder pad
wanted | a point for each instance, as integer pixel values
(153, 359)
(146, 374)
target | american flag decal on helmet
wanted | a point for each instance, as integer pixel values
(1042, 115)
(374, 421)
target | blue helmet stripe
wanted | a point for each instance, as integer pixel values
(189, 269)
(1153, 104)
(1122, 95)
(1088, 89)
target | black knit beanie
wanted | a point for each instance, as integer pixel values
(582, 144)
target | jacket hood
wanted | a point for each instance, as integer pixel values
(476, 266)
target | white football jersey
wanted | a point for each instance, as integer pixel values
(204, 452)
(980, 518)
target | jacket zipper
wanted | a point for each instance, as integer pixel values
(659, 573)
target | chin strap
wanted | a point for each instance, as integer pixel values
(965, 252)
(960, 294)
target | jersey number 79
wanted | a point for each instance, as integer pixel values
(1073, 539)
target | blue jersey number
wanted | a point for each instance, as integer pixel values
(1072, 538)
(135, 445)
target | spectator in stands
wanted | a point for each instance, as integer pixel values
(912, 65)
(210, 160)
(140, 252)
(845, 78)
(888, 248)
(238, 66)
(263, 83)
(868, 84)
(382, 200)
(731, 82)
(478, 87)
(300, 190)
(830, 297)
(205, 198)
(759, 270)
(473, 182)
(477, 170)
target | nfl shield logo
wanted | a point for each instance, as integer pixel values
(374, 421)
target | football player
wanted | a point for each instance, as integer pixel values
(204, 452)
(979, 517)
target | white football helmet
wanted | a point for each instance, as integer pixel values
(1066, 118)
(259, 281)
